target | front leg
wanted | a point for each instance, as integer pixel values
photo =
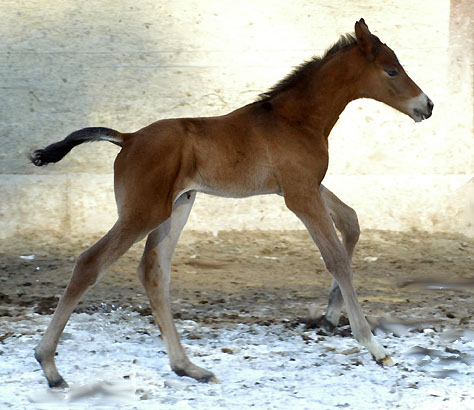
(346, 222)
(309, 206)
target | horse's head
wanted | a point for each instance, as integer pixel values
(385, 79)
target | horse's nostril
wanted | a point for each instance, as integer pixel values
(430, 105)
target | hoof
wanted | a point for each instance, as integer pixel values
(197, 373)
(319, 323)
(386, 361)
(327, 325)
(59, 383)
(212, 379)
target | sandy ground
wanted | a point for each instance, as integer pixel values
(241, 302)
(117, 361)
(267, 276)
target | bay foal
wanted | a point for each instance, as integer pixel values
(276, 145)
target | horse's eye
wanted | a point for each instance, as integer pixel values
(391, 72)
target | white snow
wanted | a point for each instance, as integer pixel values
(117, 360)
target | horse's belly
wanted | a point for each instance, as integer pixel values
(239, 184)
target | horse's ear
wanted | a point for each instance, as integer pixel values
(365, 40)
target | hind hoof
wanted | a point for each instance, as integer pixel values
(385, 361)
(212, 379)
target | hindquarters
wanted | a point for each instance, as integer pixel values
(153, 168)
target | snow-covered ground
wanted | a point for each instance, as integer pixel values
(117, 360)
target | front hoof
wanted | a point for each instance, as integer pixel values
(197, 373)
(59, 383)
(385, 361)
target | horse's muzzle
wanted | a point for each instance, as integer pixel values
(424, 112)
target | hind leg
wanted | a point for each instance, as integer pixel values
(345, 220)
(87, 271)
(154, 273)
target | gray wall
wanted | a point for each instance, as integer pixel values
(76, 63)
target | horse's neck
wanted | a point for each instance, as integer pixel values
(321, 101)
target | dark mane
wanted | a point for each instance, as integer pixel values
(304, 69)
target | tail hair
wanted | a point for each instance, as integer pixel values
(57, 151)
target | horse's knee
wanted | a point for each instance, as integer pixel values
(86, 270)
(346, 221)
(351, 226)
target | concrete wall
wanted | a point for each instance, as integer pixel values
(76, 63)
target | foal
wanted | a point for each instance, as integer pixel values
(276, 145)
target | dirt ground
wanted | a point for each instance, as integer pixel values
(257, 277)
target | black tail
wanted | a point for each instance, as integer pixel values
(57, 151)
